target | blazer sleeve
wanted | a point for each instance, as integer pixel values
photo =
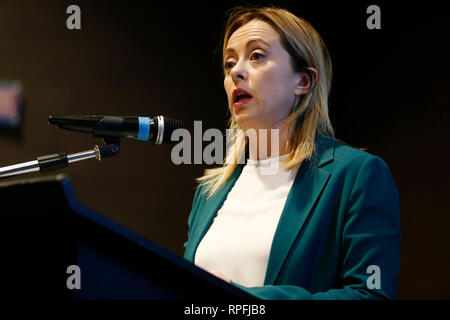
(370, 240)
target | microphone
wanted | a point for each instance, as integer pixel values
(158, 129)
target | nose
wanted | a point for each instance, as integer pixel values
(239, 72)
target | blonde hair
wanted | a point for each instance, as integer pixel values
(306, 49)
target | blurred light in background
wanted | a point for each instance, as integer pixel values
(10, 104)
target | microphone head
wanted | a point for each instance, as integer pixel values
(75, 122)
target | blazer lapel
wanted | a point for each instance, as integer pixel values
(304, 194)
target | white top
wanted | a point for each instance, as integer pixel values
(239, 240)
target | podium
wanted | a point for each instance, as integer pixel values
(45, 230)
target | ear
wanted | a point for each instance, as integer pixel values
(306, 80)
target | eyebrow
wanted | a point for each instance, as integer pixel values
(248, 44)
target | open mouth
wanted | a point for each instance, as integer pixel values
(241, 97)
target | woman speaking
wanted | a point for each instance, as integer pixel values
(326, 225)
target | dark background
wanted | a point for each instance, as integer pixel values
(390, 94)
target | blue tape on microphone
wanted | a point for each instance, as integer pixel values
(144, 128)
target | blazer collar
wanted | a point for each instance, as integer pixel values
(310, 180)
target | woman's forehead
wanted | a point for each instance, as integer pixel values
(255, 29)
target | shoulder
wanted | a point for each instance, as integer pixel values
(346, 162)
(349, 157)
(362, 179)
(350, 154)
(361, 169)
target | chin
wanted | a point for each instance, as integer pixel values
(247, 119)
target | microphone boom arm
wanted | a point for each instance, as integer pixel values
(61, 160)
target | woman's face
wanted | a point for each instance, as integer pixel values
(256, 62)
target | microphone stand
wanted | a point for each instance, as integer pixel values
(61, 160)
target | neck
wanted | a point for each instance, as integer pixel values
(268, 143)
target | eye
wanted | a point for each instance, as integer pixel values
(228, 65)
(257, 56)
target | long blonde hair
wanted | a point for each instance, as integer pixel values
(306, 49)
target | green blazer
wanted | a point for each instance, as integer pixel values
(339, 233)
